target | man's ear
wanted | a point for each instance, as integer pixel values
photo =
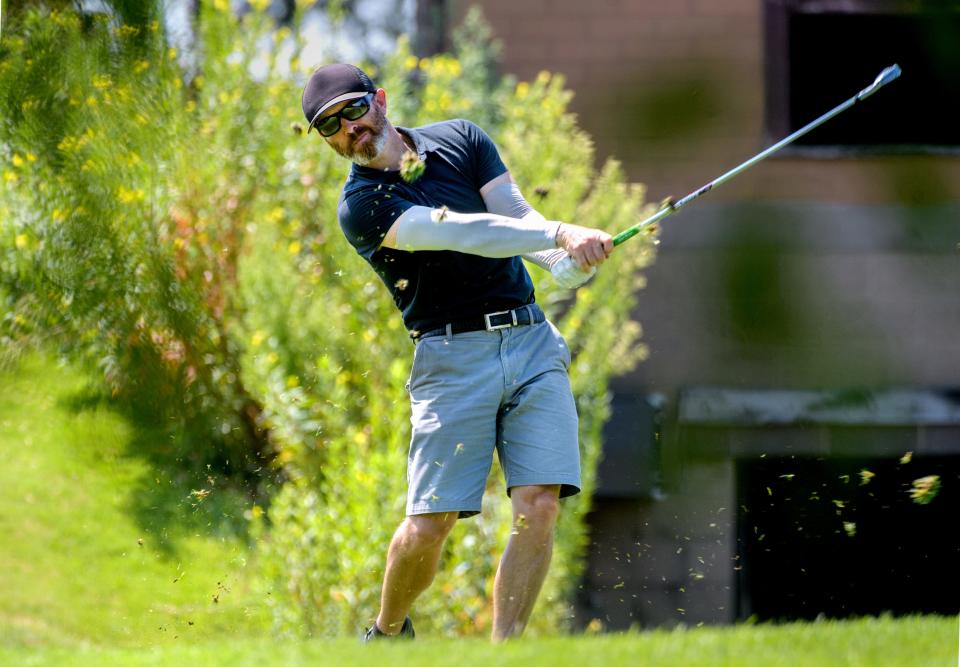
(381, 98)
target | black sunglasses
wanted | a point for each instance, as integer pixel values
(357, 109)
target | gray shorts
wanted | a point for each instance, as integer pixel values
(474, 392)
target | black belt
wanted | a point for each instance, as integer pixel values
(503, 319)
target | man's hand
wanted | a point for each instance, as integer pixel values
(588, 247)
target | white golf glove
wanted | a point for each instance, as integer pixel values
(568, 275)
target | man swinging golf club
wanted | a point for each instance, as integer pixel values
(489, 372)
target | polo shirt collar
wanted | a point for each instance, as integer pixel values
(422, 142)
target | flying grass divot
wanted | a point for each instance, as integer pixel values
(411, 167)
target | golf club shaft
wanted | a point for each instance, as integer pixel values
(885, 77)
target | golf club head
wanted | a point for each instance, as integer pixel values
(885, 77)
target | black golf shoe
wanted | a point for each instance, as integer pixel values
(406, 632)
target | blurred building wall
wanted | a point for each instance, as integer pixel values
(806, 271)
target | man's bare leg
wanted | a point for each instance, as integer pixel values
(411, 565)
(526, 559)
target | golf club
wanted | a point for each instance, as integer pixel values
(885, 77)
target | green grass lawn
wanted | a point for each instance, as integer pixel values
(105, 559)
(99, 546)
(868, 642)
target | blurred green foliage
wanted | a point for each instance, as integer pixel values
(186, 238)
(118, 242)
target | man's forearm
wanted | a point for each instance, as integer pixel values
(485, 234)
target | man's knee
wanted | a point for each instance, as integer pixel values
(428, 530)
(537, 505)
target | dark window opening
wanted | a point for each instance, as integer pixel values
(819, 55)
(821, 536)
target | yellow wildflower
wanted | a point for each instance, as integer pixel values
(128, 196)
(22, 241)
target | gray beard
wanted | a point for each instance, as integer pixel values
(371, 150)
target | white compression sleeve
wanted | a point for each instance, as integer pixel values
(485, 234)
(506, 199)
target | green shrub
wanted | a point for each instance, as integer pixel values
(119, 243)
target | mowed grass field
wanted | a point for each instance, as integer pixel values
(96, 543)
(107, 559)
(910, 642)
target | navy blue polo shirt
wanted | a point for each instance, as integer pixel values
(434, 287)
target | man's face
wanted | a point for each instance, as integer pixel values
(363, 139)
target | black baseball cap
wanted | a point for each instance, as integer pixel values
(332, 84)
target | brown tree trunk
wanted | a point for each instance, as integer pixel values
(431, 36)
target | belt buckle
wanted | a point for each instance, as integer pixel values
(494, 327)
